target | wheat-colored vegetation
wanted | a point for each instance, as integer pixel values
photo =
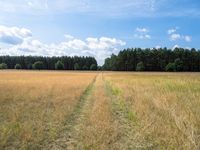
(34, 105)
(163, 109)
(111, 110)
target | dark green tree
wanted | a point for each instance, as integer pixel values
(170, 67)
(178, 64)
(140, 66)
(59, 65)
(3, 66)
(93, 67)
(76, 66)
(85, 67)
(49, 62)
(18, 66)
(38, 65)
(29, 66)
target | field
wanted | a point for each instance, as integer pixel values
(99, 110)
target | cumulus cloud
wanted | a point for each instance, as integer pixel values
(68, 36)
(13, 35)
(187, 38)
(142, 33)
(170, 31)
(174, 36)
(100, 48)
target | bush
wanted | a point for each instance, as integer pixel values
(38, 65)
(59, 65)
(18, 66)
(93, 67)
(3, 66)
(140, 66)
(76, 66)
(170, 67)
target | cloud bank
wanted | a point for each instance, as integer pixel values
(13, 35)
(22, 43)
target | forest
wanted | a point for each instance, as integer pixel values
(162, 59)
(48, 63)
(131, 59)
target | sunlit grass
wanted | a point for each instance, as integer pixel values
(34, 105)
(117, 111)
(167, 107)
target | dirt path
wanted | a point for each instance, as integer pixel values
(98, 131)
(100, 121)
(67, 137)
(124, 117)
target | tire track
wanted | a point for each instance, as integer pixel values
(98, 131)
(67, 138)
(125, 118)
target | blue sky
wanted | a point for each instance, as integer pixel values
(96, 27)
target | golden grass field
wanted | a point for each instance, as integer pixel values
(34, 105)
(99, 110)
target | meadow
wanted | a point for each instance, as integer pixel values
(99, 110)
(34, 105)
(164, 109)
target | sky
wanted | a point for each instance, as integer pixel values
(96, 28)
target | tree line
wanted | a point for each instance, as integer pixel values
(131, 59)
(162, 59)
(48, 63)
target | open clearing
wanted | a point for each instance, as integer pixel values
(95, 110)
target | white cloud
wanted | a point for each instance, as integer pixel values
(142, 33)
(142, 30)
(188, 38)
(13, 35)
(174, 36)
(170, 31)
(68, 36)
(100, 48)
(147, 36)
(142, 37)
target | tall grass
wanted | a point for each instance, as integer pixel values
(167, 107)
(34, 105)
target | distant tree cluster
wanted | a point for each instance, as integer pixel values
(48, 63)
(162, 59)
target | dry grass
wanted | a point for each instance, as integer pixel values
(34, 105)
(167, 108)
(98, 131)
(117, 111)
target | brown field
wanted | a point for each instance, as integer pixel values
(164, 108)
(34, 105)
(102, 111)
